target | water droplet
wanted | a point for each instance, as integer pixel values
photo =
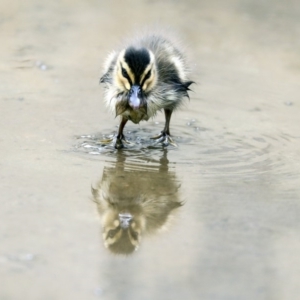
(43, 67)
(288, 103)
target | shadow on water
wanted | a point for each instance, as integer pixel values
(134, 200)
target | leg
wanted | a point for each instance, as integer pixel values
(119, 139)
(165, 137)
(120, 136)
(168, 114)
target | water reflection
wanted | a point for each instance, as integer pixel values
(135, 199)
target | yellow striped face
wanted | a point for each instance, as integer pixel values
(130, 72)
(149, 78)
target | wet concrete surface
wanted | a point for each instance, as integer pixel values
(235, 173)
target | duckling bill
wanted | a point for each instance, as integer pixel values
(149, 75)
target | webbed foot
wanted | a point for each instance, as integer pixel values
(120, 141)
(117, 142)
(106, 141)
(165, 139)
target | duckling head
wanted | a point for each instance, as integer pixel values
(135, 75)
(122, 231)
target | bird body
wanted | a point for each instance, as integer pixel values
(147, 76)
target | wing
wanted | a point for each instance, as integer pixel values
(109, 66)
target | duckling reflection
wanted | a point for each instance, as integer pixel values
(134, 200)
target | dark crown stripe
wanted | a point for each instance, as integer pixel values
(137, 60)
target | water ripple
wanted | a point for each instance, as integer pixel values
(209, 152)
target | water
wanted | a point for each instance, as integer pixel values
(142, 198)
(219, 153)
(217, 217)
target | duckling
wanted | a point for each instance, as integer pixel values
(147, 76)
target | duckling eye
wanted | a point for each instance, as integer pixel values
(124, 73)
(148, 75)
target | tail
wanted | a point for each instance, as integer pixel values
(187, 85)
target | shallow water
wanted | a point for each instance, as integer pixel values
(218, 216)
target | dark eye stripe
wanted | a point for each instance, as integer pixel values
(146, 77)
(111, 233)
(125, 74)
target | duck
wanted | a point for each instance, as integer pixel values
(148, 75)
